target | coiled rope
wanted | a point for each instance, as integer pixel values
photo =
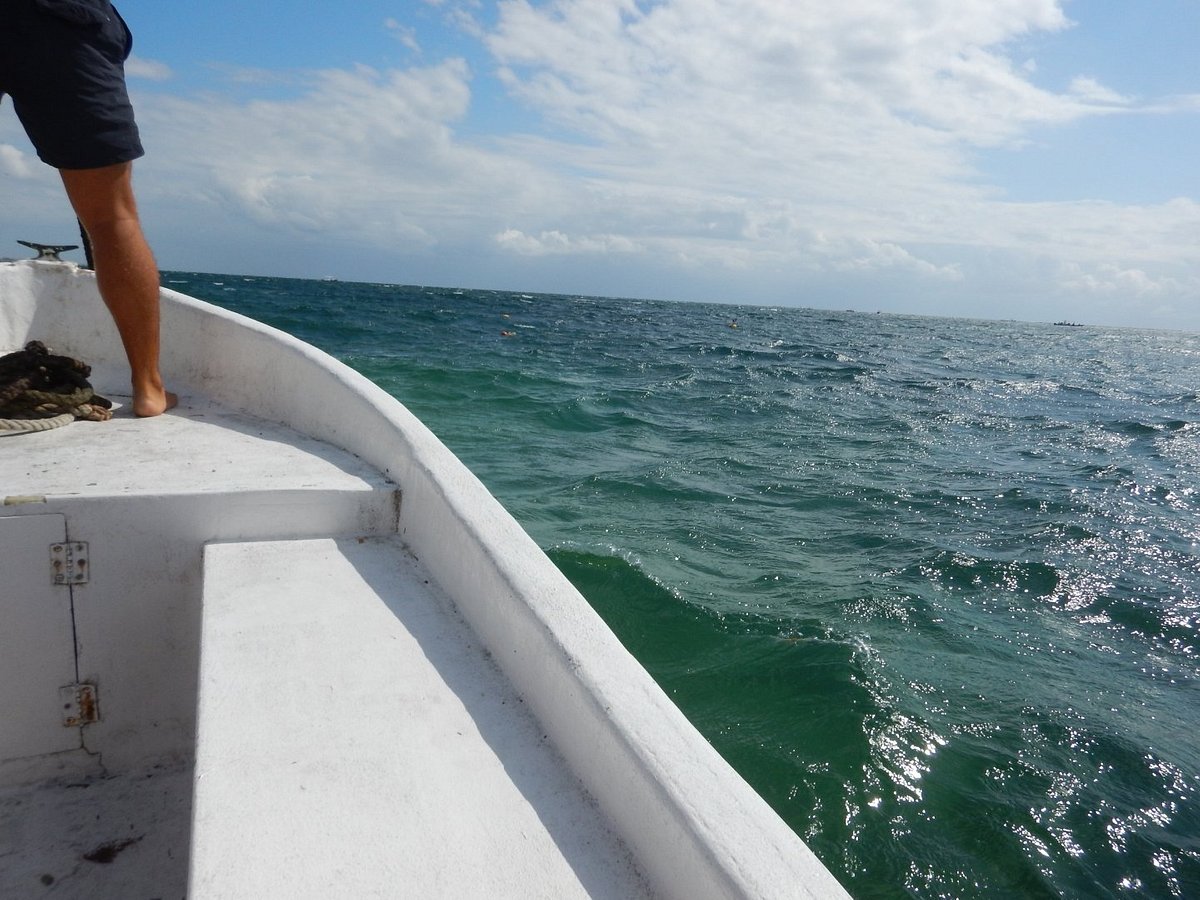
(40, 391)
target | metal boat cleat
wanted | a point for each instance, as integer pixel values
(49, 252)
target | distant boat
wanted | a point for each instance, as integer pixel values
(1069, 324)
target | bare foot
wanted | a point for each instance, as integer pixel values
(153, 403)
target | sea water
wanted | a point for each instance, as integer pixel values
(931, 585)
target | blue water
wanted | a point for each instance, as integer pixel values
(931, 585)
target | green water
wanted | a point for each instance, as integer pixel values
(932, 586)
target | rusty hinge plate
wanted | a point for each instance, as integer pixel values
(69, 563)
(80, 705)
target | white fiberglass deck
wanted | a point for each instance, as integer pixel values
(354, 738)
(198, 448)
(103, 836)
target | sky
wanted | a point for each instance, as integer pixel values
(997, 159)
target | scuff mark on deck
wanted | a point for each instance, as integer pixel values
(106, 853)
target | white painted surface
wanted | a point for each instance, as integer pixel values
(696, 828)
(355, 741)
(39, 644)
(146, 496)
(200, 448)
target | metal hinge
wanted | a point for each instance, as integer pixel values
(69, 563)
(79, 704)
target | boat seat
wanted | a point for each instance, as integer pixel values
(302, 763)
(143, 497)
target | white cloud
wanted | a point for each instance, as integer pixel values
(14, 163)
(873, 255)
(610, 68)
(744, 127)
(405, 34)
(1108, 279)
(1092, 91)
(550, 243)
(148, 69)
(859, 114)
(359, 155)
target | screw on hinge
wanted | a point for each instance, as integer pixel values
(69, 563)
(79, 704)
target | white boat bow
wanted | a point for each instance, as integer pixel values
(280, 642)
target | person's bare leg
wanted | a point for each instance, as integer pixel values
(125, 273)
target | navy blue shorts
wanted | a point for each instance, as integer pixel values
(63, 64)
